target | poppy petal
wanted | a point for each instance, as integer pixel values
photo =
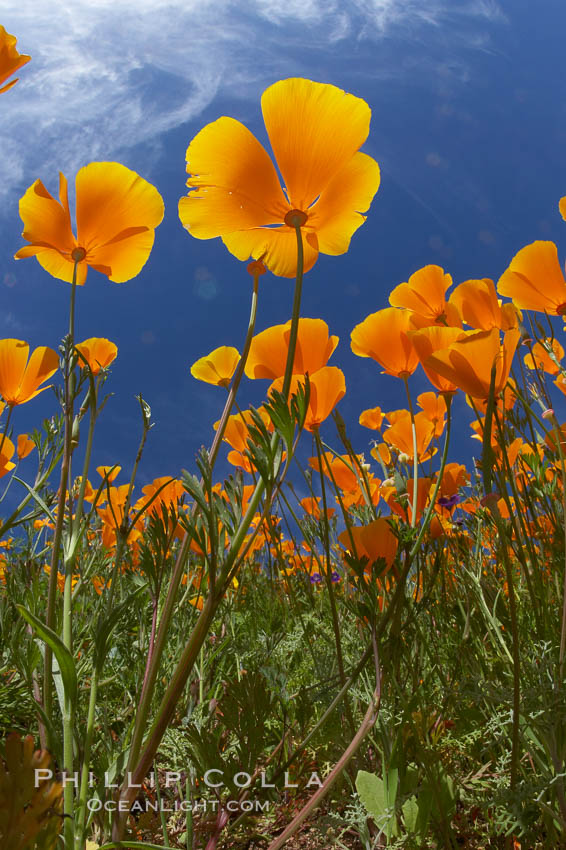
(534, 279)
(234, 182)
(337, 214)
(276, 247)
(13, 358)
(314, 130)
(46, 221)
(58, 266)
(43, 363)
(562, 207)
(111, 199)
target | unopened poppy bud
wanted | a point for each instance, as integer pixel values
(404, 457)
(75, 433)
(548, 413)
(389, 482)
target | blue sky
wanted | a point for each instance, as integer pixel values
(468, 125)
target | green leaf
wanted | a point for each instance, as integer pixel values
(410, 814)
(62, 654)
(37, 498)
(107, 626)
(371, 791)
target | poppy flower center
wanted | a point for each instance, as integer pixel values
(78, 254)
(295, 218)
(561, 310)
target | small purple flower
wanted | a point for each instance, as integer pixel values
(316, 578)
(335, 576)
(449, 501)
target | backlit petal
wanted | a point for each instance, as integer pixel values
(111, 199)
(534, 279)
(314, 130)
(217, 367)
(383, 336)
(233, 182)
(276, 247)
(46, 221)
(123, 259)
(58, 266)
(267, 357)
(337, 214)
(42, 364)
(562, 207)
(10, 59)
(13, 359)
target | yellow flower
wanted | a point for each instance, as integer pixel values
(10, 59)
(217, 367)
(99, 353)
(315, 131)
(117, 213)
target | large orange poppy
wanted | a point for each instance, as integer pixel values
(267, 357)
(384, 337)
(10, 59)
(534, 279)
(117, 213)
(315, 131)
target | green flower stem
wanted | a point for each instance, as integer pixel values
(139, 762)
(415, 458)
(168, 608)
(5, 434)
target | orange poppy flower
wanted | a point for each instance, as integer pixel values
(327, 387)
(110, 473)
(342, 470)
(400, 435)
(434, 406)
(7, 450)
(267, 357)
(99, 353)
(562, 207)
(311, 506)
(25, 446)
(542, 359)
(20, 378)
(218, 367)
(315, 131)
(479, 306)
(455, 475)
(117, 213)
(403, 505)
(373, 541)
(430, 340)
(372, 418)
(425, 297)
(10, 59)
(383, 336)
(467, 362)
(534, 279)
(237, 435)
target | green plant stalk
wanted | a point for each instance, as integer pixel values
(328, 579)
(58, 531)
(5, 433)
(139, 762)
(167, 612)
(415, 458)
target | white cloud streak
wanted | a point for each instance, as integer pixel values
(107, 75)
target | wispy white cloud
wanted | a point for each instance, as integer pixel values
(110, 74)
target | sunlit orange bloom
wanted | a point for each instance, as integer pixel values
(434, 406)
(403, 505)
(455, 475)
(372, 418)
(218, 367)
(100, 584)
(364, 493)
(89, 492)
(534, 279)
(400, 435)
(373, 541)
(562, 207)
(169, 492)
(110, 473)
(479, 306)
(99, 353)
(327, 387)
(542, 359)
(25, 446)
(430, 340)
(267, 357)
(468, 362)
(10, 59)
(61, 578)
(505, 400)
(117, 213)
(237, 434)
(342, 469)
(560, 382)
(315, 131)
(20, 379)
(425, 297)
(383, 336)
(6, 454)
(381, 453)
(311, 506)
